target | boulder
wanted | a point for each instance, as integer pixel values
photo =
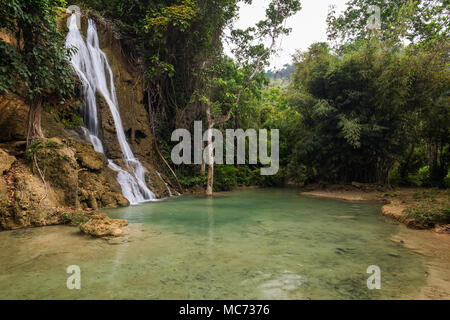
(13, 119)
(100, 225)
(88, 158)
(6, 161)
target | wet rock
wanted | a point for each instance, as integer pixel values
(112, 200)
(58, 163)
(100, 225)
(88, 158)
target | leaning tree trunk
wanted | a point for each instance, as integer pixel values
(34, 120)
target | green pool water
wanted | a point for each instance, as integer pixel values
(252, 244)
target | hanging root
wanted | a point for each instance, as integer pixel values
(42, 178)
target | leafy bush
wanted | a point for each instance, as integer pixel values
(430, 215)
(447, 180)
(244, 176)
(424, 176)
(195, 181)
(277, 180)
(395, 177)
(225, 178)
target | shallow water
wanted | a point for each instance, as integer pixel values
(253, 244)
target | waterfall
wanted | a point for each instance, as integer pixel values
(167, 186)
(90, 62)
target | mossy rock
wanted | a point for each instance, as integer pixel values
(6, 161)
(58, 163)
(88, 158)
(100, 225)
(13, 118)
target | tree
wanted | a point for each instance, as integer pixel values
(37, 66)
(251, 56)
(415, 20)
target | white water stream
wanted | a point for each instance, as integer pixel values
(167, 185)
(90, 62)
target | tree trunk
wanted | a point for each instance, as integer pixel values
(210, 184)
(209, 187)
(34, 121)
(203, 165)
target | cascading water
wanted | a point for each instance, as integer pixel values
(89, 62)
(167, 185)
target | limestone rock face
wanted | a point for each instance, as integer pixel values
(108, 131)
(88, 158)
(13, 118)
(75, 177)
(130, 95)
(6, 161)
(28, 202)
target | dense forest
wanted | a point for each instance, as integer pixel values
(369, 106)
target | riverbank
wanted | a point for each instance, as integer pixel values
(406, 207)
(435, 248)
(417, 208)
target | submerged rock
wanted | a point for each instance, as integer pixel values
(93, 223)
(100, 225)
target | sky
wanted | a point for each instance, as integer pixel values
(308, 26)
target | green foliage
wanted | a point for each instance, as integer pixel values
(72, 122)
(225, 178)
(193, 181)
(178, 16)
(74, 218)
(39, 147)
(373, 110)
(424, 177)
(417, 21)
(428, 216)
(35, 64)
(447, 180)
(283, 74)
(369, 109)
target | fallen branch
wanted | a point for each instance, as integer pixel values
(168, 166)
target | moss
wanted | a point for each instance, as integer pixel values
(57, 163)
(67, 113)
(72, 122)
(88, 158)
(432, 207)
(74, 218)
(428, 216)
